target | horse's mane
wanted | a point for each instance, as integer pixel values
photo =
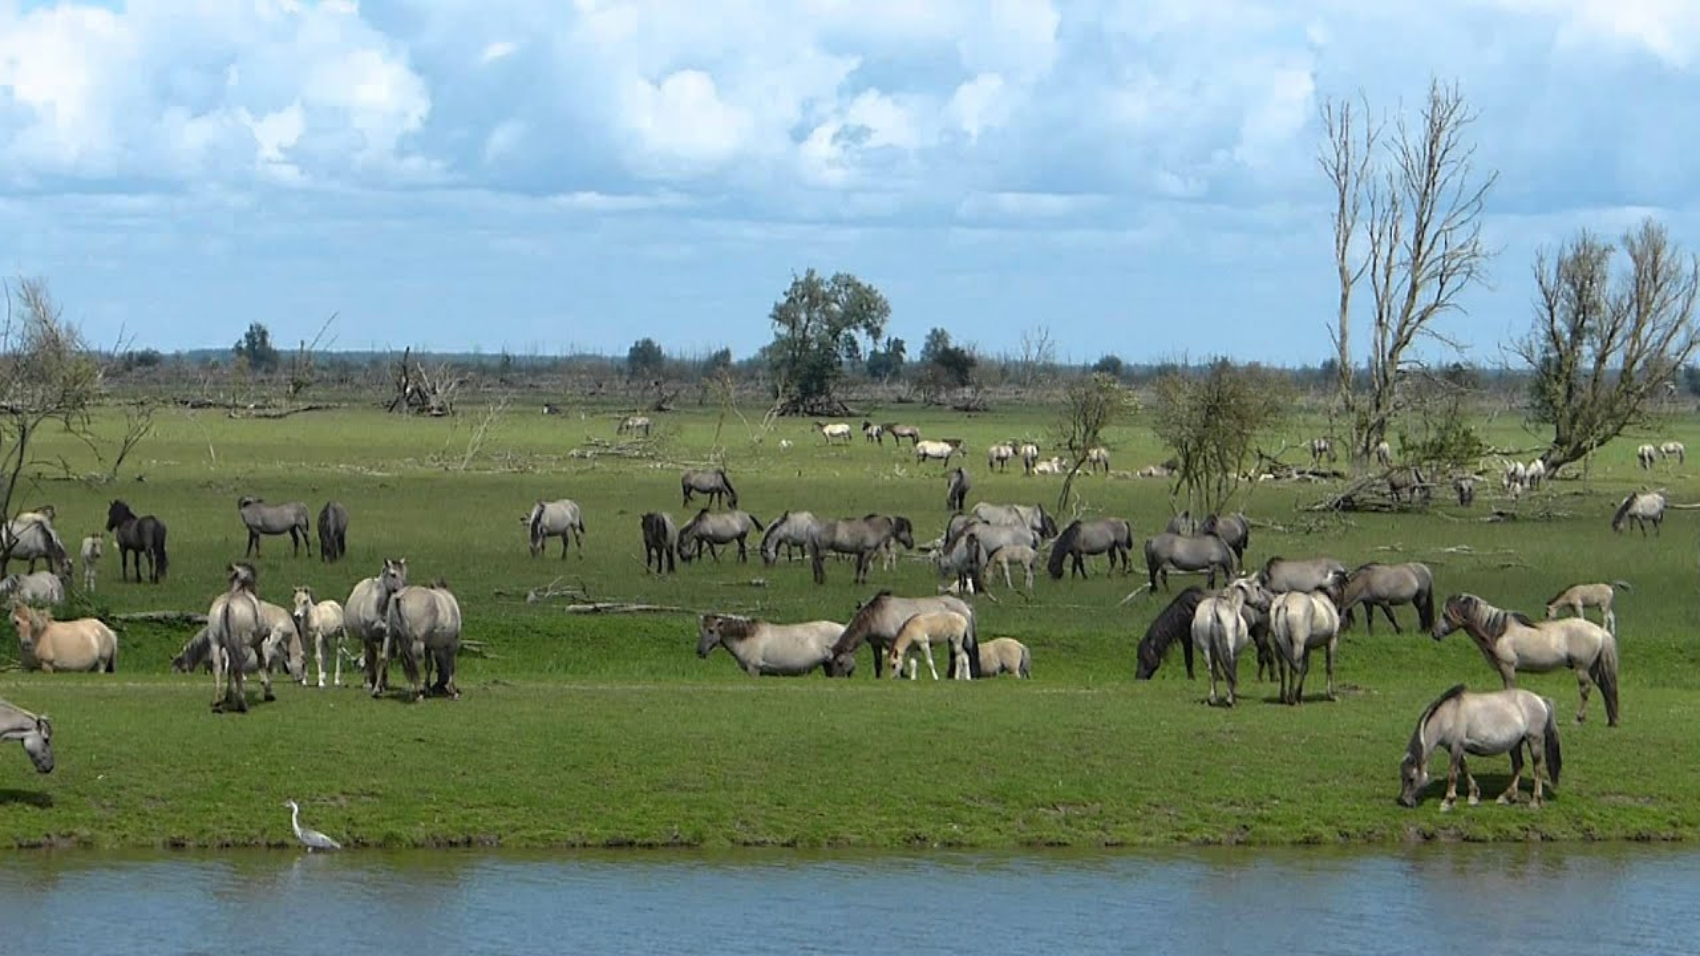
(1622, 509)
(1269, 565)
(734, 625)
(1414, 750)
(1366, 566)
(1061, 549)
(1171, 624)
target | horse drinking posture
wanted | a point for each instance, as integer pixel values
(1298, 622)
(34, 731)
(318, 622)
(1220, 631)
(333, 531)
(554, 519)
(141, 537)
(711, 482)
(1641, 507)
(1579, 596)
(1112, 536)
(718, 528)
(762, 647)
(365, 615)
(791, 531)
(1187, 552)
(878, 621)
(1504, 721)
(1376, 585)
(660, 540)
(862, 537)
(921, 632)
(1511, 643)
(956, 491)
(47, 645)
(424, 624)
(289, 518)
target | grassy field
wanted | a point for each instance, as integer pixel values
(607, 729)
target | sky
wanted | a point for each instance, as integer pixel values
(553, 176)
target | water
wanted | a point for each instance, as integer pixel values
(1420, 900)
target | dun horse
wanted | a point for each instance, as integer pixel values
(1112, 536)
(1579, 596)
(791, 531)
(712, 482)
(1511, 642)
(764, 648)
(318, 622)
(899, 431)
(1643, 508)
(1204, 552)
(423, 625)
(660, 541)
(333, 532)
(560, 518)
(1381, 586)
(140, 537)
(1482, 725)
(1006, 655)
(862, 537)
(921, 632)
(1220, 631)
(235, 626)
(263, 519)
(956, 491)
(1234, 530)
(715, 529)
(1300, 621)
(47, 645)
(1032, 517)
(34, 731)
(364, 617)
(878, 621)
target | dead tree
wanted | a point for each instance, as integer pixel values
(421, 392)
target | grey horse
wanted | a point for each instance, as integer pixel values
(1376, 585)
(1280, 575)
(660, 540)
(862, 537)
(1113, 536)
(550, 519)
(36, 588)
(712, 482)
(957, 490)
(31, 537)
(1642, 507)
(715, 529)
(1183, 552)
(1029, 516)
(289, 518)
(333, 531)
(791, 531)
(34, 731)
(877, 622)
(423, 626)
(365, 615)
(1503, 721)
(1234, 530)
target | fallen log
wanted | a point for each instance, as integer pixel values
(623, 607)
(162, 617)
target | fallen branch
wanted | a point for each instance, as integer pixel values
(280, 412)
(623, 607)
(1133, 594)
(163, 617)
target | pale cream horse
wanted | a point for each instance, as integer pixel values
(920, 632)
(1579, 596)
(1017, 554)
(94, 548)
(85, 644)
(319, 621)
(1005, 655)
(1300, 621)
(235, 622)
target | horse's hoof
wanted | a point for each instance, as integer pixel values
(269, 696)
(1505, 800)
(1474, 801)
(1446, 806)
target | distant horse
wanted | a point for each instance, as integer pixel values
(1112, 536)
(941, 450)
(1029, 453)
(1408, 485)
(1579, 596)
(877, 622)
(764, 648)
(34, 731)
(1050, 466)
(1320, 448)
(1511, 642)
(712, 482)
(1299, 622)
(1516, 478)
(1534, 473)
(1098, 457)
(197, 654)
(365, 617)
(235, 626)
(1203, 552)
(85, 644)
(1384, 454)
(1220, 631)
(791, 531)
(861, 537)
(1181, 524)
(1376, 585)
(1485, 725)
(30, 537)
(987, 538)
(1172, 625)
(1674, 449)
(998, 456)
(333, 532)
(956, 492)
(1005, 655)
(289, 518)
(37, 587)
(921, 632)
(423, 624)
(660, 540)
(872, 432)
(837, 431)
(1646, 455)
(1033, 517)
(560, 518)
(93, 549)
(963, 558)
(634, 425)
(1465, 486)
(1019, 554)
(715, 529)
(1307, 574)
(1234, 530)
(318, 622)
(898, 432)
(144, 536)
(1641, 507)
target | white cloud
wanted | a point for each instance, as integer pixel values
(497, 50)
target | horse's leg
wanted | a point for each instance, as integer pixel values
(1303, 671)
(927, 648)
(319, 643)
(1452, 768)
(1585, 685)
(265, 677)
(1329, 649)
(1475, 791)
(341, 643)
(961, 655)
(1231, 665)
(1210, 669)
(1510, 795)
(743, 555)
(1387, 609)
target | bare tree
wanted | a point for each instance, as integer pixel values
(47, 375)
(1093, 403)
(1604, 348)
(1038, 352)
(1408, 215)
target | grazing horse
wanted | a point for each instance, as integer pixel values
(1579, 596)
(717, 528)
(1511, 643)
(1376, 585)
(37, 587)
(1485, 725)
(1020, 554)
(1234, 530)
(144, 536)
(30, 537)
(634, 425)
(1183, 552)
(956, 491)
(999, 455)
(1113, 536)
(1298, 622)
(1384, 454)
(1516, 478)
(790, 530)
(1220, 631)
(1674, 449)
(764, 648)
(862, 537)
(318, 622)
(898, 432)
(878, 621)
(93, 549)
(920, 632)
(560, 518)
(34, 731)
(1308, 574)
(235, 627)
(941, 450)
(712, 482)
(1646, 455)
(44, 644)
(1098, 457)
(1172, 625)
(660, 540)
(1006, 655)
(289, 518)
(365, 615)
(872, 432)
(1029, 457)
(1534, 473)
(1033, 517)
(423, 623)
(1641, 507)
(837, 431)
(333, 532)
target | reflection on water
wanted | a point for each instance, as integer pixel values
(1622, 899)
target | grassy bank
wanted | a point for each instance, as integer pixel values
(607, 730)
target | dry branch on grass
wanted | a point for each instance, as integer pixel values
(262, 412)
(630, 448)
(623, 607)
(163, 617)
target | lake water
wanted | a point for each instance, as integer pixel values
(1416, 900)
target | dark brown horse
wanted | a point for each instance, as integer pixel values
(137, 536)
(877, 622)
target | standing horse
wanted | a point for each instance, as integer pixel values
(1172, 625)
(1300, 621)
(1641, 507)
(1308, 574)
(365, 615)
(1465, 486)
(1408, 485)
(873, 432)
(144, 536)
(30, 537)
(942, 450)
(1183, 552)
(47, 645)
(1220, 631)
(956, 491)
(925, 629)
(998, 456)
(34, 731)
(1029, 457)
(93, 549)
(761, 647)
(1484, 725)
(235, 626)
(837, 431)
(1579, 596)
(1005, 655)
(862, 537)
(1674, 449)
(560, 518)
(319, 621)
(712, 482)
(1384, 454)
(790, 530)
(1320, 448)
(898, 432)
(634, 425)
(1020, 554)
(1646, 455)
(1376, 585)
(1033, 517)
(1112, 536)
(717, 528)
(1098, 457)
(1511, 643)
(1234, 530)
(877, 622)
(423, 623)
(289, 518)
(660, 540)
(333, 532)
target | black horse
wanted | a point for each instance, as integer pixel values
(333, 531)
(1174, 623)
(142, 536)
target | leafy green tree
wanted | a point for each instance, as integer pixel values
(255, 347)
(645, 360)
(818, 326)
(885, 364)
(718, 362)
(1110, 365)
(1211, 422)
(948, 365)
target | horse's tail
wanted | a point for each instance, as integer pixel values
(1025, 668)
(1425, 599)
(1060, 550)
(1622, 585)
(971, 645)
(1553, 754)
(1280, 627)
(160, 560)
(1604, 673)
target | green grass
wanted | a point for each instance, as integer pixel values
(607, 730)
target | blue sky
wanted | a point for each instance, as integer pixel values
(552, 175)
